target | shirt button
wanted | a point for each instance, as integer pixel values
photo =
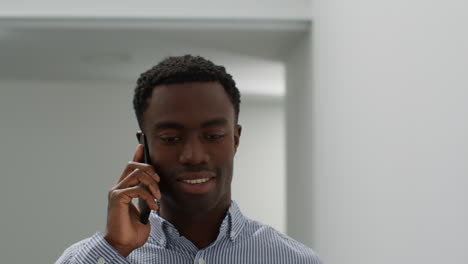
(162, 241)
(169, 230)
(101, 261)
(201, 261)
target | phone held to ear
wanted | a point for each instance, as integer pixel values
(142, 205)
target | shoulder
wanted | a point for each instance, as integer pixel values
(72, 251)
(91, 250)
(279, 244)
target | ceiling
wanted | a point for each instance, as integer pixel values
(63, 49)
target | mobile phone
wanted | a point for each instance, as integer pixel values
(145, 211)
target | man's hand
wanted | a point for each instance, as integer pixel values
(124, 231)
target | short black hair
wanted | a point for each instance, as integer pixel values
(181, 69)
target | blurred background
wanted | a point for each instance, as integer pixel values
(354, 114)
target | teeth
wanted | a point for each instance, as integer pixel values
(196, 181)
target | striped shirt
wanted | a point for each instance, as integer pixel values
(240, 240)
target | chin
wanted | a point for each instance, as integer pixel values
(198, 203)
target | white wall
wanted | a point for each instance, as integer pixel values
(183, 9)
(65, 144)
(300, 204)
(381, 139)
(388, 111)
(259, 183)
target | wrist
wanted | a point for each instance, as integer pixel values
(123, 250)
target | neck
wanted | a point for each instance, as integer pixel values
(200, 227)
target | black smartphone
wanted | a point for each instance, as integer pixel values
(145, 211)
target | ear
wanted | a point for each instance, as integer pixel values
(138, 135)
(237, 134)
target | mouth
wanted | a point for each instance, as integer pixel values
(196, 183)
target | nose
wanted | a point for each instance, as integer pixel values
(193, 151)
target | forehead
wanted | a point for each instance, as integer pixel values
(189, 104)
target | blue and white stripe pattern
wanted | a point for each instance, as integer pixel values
(240, 240)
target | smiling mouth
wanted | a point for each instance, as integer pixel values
(197, 185)
(196, 181)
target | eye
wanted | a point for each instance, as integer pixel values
(214, 137)
(169, 139)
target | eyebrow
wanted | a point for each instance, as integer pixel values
(174, 125)
(215, 122)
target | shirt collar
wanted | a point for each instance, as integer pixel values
(162, 230)
(237, 220)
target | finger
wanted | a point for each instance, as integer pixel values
(136, 157)
(139, 154)
(132, 165)
(125, 196)
(137, 177)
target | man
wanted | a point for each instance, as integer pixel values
(188, 109)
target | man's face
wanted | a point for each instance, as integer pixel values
(192, 139)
